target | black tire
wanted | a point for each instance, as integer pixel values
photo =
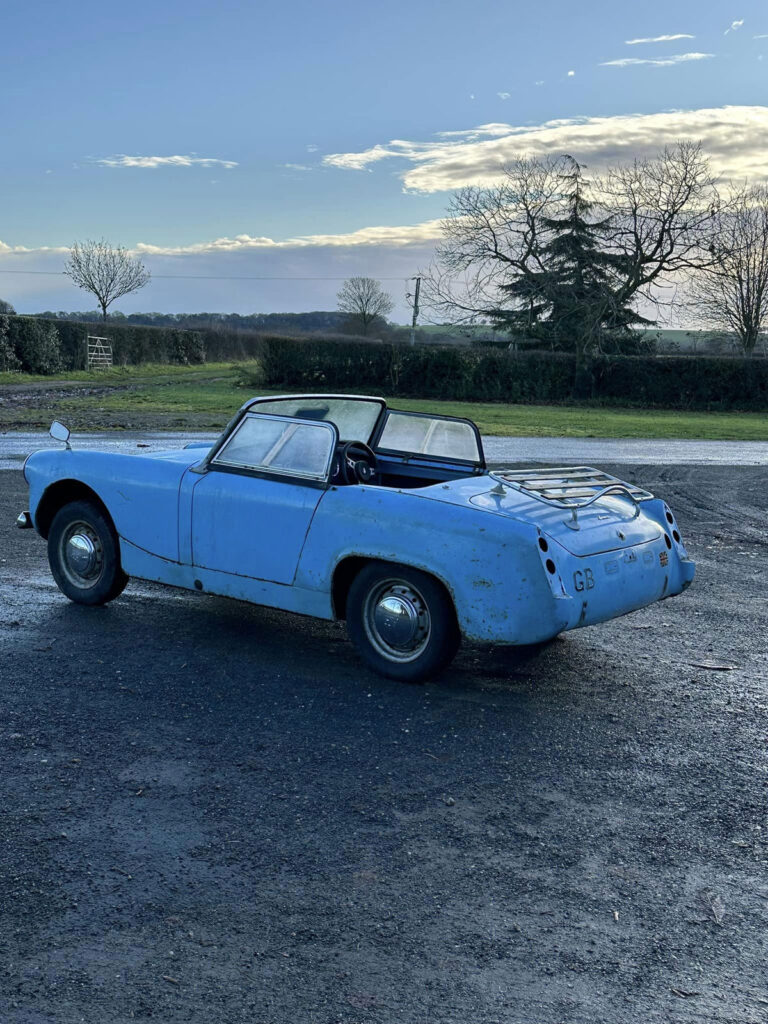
(84, 554)
(413, 638)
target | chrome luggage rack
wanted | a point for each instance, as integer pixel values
(571, 488)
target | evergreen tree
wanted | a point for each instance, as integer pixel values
(571, 299)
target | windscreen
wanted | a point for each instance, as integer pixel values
(430, 436)
(354, 418)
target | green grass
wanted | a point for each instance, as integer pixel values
(150, 372)
(205, 397)
(586, 421)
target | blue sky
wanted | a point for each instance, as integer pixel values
(322, 140)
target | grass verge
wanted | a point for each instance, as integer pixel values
(205, 397)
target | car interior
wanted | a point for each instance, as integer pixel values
(386, 447)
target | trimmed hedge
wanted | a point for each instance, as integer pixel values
(48, 346)
(221, 345)
(491, 375)
(35, 344)
(130, 345)
(8, 358)
(240, 345)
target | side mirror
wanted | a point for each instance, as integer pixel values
(60, 433)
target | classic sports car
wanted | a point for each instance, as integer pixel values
(338, 507)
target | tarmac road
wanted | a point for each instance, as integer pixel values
(16, 445)
(211, 813)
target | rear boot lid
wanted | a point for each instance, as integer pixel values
(586, 510)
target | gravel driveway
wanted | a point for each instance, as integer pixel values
(212, 813)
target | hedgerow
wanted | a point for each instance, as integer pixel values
(8, 358)
(130, 345)
(35, 344)
(490, 375)
(476, 373)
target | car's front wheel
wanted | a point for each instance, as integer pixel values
(402, 622)
(84, 554)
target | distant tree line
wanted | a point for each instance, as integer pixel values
(319, 321)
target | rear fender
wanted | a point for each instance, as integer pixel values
(488, 564)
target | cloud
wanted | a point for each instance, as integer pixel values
(361, 161)
(385, 235)
(658, 39)
(469, 133)
(388, 236)
(735, 137)
(763, 36)
(677, 58)
(571, 74)
(23, 250)
(503, 95)
(242, 274)
(297, 167)
(165, 161)
(735, 26)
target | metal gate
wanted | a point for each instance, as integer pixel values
(99, 355)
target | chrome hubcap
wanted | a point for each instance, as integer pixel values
(397, 620)
(82, 556)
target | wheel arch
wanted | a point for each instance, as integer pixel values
(348, 568)
(61, 493)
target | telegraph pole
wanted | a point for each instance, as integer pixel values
(415, 310)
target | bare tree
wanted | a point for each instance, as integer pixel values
(364, 301)
(731, 293)
(655, 216)
(107, 271)
(491, 237)
(663, 211)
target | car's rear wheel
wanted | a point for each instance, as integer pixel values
(402, 622)
(84, 554)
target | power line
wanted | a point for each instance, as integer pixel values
(202, 277)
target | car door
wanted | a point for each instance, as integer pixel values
(253, 506)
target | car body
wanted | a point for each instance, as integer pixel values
(336, 506)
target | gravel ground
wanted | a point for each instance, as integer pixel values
(212, 813)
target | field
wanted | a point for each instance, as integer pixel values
(205, 397)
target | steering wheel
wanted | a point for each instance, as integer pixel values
(357, 463)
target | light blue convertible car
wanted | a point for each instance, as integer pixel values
(337, 507)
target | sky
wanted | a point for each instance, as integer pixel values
(256, 154)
